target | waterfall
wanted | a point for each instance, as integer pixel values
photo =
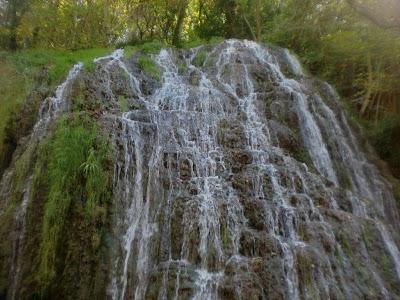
(54, 106)
(203, 151)
(236, 176)
(50, 110)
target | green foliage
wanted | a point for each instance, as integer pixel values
(78, 172)
(23, 167)
(182, 67)
(58, 62)
(215, 40)
(6, 227)
(123, 104)
(19, 73)
(386, 139)
(129, 51)
(305, 269)
(153, 47)
(200, 58)
(150, 67)
(13, 90)
(344, 240)
(367, 235)
(344, 178)
(193, 43)
(196, 42)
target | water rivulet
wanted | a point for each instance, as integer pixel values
(236, 176)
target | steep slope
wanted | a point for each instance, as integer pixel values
(235, 176)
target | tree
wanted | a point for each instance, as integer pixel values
(182, 7)
(13, 12)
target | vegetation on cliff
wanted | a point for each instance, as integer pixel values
(79, 186)
(29, 76)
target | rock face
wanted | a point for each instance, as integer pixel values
(238, 177)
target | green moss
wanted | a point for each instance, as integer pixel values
(29, 287)
(13, 89)
(23, 166)
(305, 269)
(153, 47)
(339, 256)
(129, 51)
(362, 272)
(388, 272)
(386, 266)
(79, 101)
(224, 236)
(6, 228)
(181, 67)
(210, 61)
(84, 101)
(196, 42)
(90, 67)
(150, 67)
(367, 235)
(78, 175)
(344, 179)
(18, 75)
(148, 48)
(345, 242)
(223, 124)
(193, 43)
(215, 40)
(123, 104)
(303, 232)
(301, 154)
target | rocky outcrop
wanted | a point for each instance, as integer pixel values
(237, 177)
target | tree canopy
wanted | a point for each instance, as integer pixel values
(348, 42)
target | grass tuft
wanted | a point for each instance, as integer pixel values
(153, 47)
(200, 58)
(123, 104)
(150, 67)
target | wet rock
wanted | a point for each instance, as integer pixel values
(238, 159)
(254, 212)
(185, 169)
(240, 180)
(254, 244)
(242, 183)
(194, 77)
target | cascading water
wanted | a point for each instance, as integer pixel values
(49, 111)
(238, 177)
(212, 203)
(53, 107)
